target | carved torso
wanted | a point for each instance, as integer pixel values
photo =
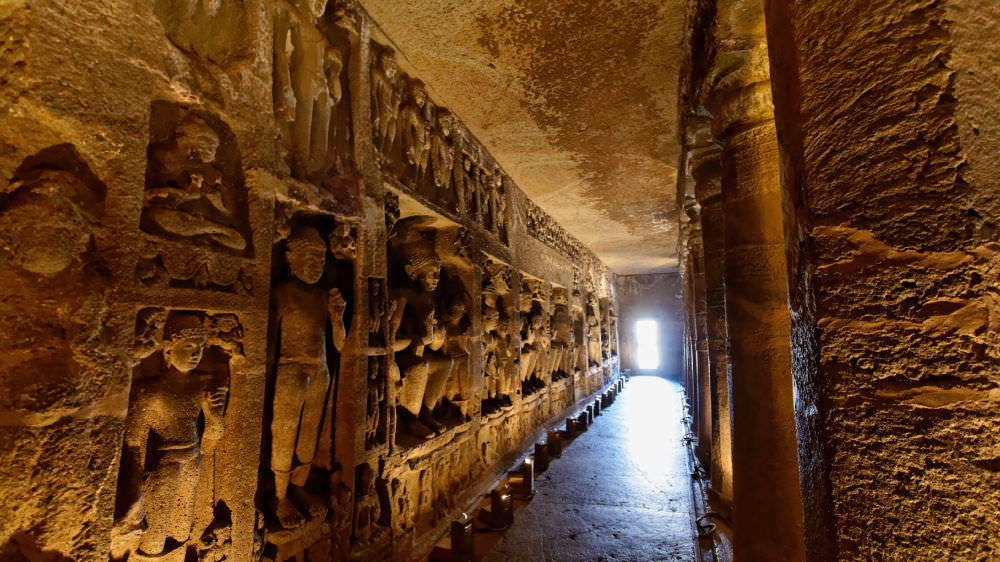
(303, 317)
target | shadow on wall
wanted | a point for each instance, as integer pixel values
(650, 320)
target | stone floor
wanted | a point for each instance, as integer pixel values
(621, 491)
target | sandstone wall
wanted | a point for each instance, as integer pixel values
(887, 119)
(262, 298)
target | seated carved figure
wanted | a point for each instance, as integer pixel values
(185, 197)
(163, 443)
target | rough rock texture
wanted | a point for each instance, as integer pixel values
(576, 98)
(887, 116)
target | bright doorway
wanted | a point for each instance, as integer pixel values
(647, 342)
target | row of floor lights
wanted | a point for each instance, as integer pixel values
(520, 483)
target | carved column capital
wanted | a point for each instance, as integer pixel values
(738, 89)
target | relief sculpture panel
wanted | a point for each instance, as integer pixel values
(273, 310)
(312, 304)
(175, 422)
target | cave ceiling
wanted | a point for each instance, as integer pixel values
(576, 100)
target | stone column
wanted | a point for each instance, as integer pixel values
(704, 167)
(703, 449)
(767, 511)
(889, 132)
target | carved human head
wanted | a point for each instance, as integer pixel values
(418, 92)
(537, 320)
(41, 224)
(559, 297)
(424, 269)
(524, 300)
(306, 254)
(446, 122)
(343, 241)
(184, 340)
(387, 62)
(196, 139)
(315, 7)
(456, 307)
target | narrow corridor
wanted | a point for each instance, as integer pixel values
(621, 490)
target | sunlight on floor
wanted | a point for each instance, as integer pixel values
(652, 417)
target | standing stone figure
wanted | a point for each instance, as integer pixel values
(376, 396)
(302, 381)
(442, 150)
(458, 346)
(386, 97)
(163, 443)
(463, 171)
(593, 332)
(498, 203)
(416, 127)
(423, 368)
(562, 335)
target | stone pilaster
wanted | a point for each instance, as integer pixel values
(705, 167)
(767, 512)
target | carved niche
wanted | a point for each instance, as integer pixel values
(535, 337)
(195, 191)
(499, 374)
(377, 421)
(55, 286)
(311, 93)
(593, 330)
(312, 308)
(369, 521)
(167, 504)
(560, 360)
(428, 328)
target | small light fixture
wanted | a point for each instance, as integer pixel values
(501, 508)
(554, 442)
(462, 546)
(522, 480)
(542, 456)
(571, 429)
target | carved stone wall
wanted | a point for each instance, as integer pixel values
(263, 297)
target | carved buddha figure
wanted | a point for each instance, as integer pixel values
(302, 380)
(163, 443)
(593, 333)
(386, 96)
(491, 344)
(416, 127)
(419, 340)
(455, 323)
(442, 150)
(186, 194)
(562, 333)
